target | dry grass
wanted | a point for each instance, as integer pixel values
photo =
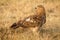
(13, 10)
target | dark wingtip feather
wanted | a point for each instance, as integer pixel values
(13, 26)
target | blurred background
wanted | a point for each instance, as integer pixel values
(13, 10)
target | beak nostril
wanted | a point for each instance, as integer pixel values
(35, 8)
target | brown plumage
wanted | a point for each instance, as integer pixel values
(36, 20)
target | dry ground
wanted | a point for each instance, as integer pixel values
(13, 10)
